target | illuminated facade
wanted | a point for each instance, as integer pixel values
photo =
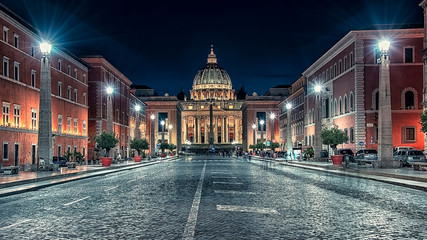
(20, 91)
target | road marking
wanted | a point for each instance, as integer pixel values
(224, 177)
(132, 181)
(233, 208)
(234, 192)
(111, 188)
(192, 217)
(76, 201)
(17, 223)
(232, 183)
(221, 172)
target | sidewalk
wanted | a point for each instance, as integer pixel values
(404, 176)
(27, 181)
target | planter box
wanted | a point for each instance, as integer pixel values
(336, 159)
(106, 161)
(138, 158)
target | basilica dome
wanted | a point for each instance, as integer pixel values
(212, 82)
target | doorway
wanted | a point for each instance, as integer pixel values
(16, 154)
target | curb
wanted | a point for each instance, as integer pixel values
(69, 177)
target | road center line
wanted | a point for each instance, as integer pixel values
(108, 189)
(233, 192)
(224, 177)
(192, 217)
(76, 201)
(15, 224)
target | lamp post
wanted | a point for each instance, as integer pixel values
(272, 117)
(163, 130)
(110, 92)
(261, 122)
(289, 138)
(44, 139)
(385, 136)
(152, 135)
(318, 122)
(254, 128)
(137, 122)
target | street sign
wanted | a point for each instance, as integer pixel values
(361, 143)
(267, 143)
(274, 140)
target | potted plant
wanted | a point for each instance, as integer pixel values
(138, 145)
(106, 141)
(171, 147)
(163, 146)
(333, 137)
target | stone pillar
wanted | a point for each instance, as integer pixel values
(223, 129)
(317, 127)
(44, 143)
(185, 130)
(206, 131)
(227, 134)
(236, 130)
(216, 129)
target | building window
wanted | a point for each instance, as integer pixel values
(84, 98)
(409, 100)
(68, 125)
(6, 112)
(346, 133)
(335, 70)
(345, 104)
(351, 59)
(69, 93)
(352, 135)
(16, 116)
(75, 73)
(16, 40)
(340, 105)
(59, 123)
(331, 73)
(5, 151)
(409, 55)
(33, 78)
(33, 118)
(351, 101)
(5, 34)
(345, 63)
(16, 71)
(84, 78)
(69, 70)
(84, 128)
(340, 67)
(59, 89)
(60, 65)
(32, 50)
(5, 66)
(410, 135)
(75, 126)
(75, 95)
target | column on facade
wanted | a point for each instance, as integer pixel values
(222, 129)
(185, 130)
(198, 129)
(215, 125)
(227, 140)
(206, 131)
(236, 130)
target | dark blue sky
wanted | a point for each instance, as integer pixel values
(163, 44)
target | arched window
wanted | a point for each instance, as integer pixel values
(377, 99)
(345, 104)
(340, 105)
(335, 107)
(351, 101)
(409, 100)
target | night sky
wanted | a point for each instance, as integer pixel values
(162, 44)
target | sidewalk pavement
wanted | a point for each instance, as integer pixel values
(28, 181)
(404, 176)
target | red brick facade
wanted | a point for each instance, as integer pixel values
(19, 95)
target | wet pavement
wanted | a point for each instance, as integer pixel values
(199, 198)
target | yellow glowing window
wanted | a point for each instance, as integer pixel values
(190, 107)
(202, 107)
(231, 107)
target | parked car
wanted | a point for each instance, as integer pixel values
(407, 156)
(348, 154)
(324, 154)
(62, 161)
(367, 154)
(403, 148)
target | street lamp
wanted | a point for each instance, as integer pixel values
(109, 90)
(163, 130)
(318, 122)
(272, 117)
(44, 138)
(137, 122)
(261, 122)
(385, 136)
(254, 138)
(152, 134)
(289, 138)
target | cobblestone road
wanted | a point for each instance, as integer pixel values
(216, 199)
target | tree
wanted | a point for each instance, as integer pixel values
(274, 145)
(423, 121)
(139, 144)
(171, 147)
(106, 141)
(333, 137)
(164, 146)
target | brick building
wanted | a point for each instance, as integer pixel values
(101, 75)
(349, 73)
(20, 91)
